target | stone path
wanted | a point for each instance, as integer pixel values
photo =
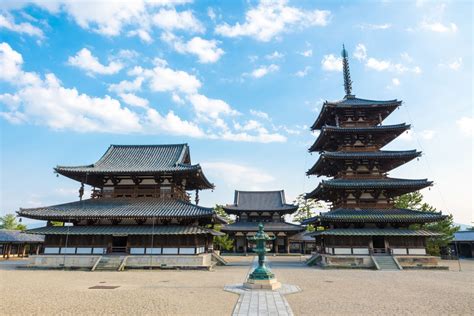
(261, 302)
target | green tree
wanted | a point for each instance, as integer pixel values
(306, 209)
(445, 227)
(222, 242)
(9, 222)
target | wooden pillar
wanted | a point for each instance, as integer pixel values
(276, 242)
(24, 250)
(275, 245)
(9, 248)
(37, 249)
(245, 243)
(287, 245)
(234, 243)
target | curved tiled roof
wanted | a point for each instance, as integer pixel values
(327, 131)
(123, 230)
(260, 201)
(400, 185)
(353, 102)
(119, 208)
(268, 227)
(17, 236)
(380, 215)
(382, 156)
(134, 160)
(374, 232)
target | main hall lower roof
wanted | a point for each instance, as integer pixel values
(375, 232)
(119, 208)
(260, 201)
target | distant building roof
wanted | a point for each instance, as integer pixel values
(119, 208)
(465, 235)
(260, 201)
(17, 236)
(268, 227)
(137, 160)
(303, 236)
(123, 230)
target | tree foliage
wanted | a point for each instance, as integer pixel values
(307, 208)
(222, 242)
(9, 221)
(445, 227)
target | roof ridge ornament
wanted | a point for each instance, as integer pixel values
(347, 75)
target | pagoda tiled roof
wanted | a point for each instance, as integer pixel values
(17, 236)
(326, 131)
(376, 216)
(138, 160)
(401, 185)
(353, 102)
(260, 201)
(268, 227)
(326, 156)
(123, 230)
(374, 232)
(119, 208)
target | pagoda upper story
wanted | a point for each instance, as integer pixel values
(138, 171)
(350, 141)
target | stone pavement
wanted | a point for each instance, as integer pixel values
(261, 302)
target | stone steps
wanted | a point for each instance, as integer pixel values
(386, 263)
(109, 263)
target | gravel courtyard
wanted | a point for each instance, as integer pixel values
(169, 292)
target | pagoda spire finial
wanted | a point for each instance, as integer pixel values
(345, 69)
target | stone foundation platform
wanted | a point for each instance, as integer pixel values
(366, 262)
(202, 261)
(271, 284)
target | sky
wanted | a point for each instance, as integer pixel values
(239, 81)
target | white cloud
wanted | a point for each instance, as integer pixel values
(162, 78)
(212, 108)
(360, 52)
(304, 72)
(211, 14)
(264, 70)
(386, 65)
(170, 20)
(368, 26)
(395, 82)
(270, 18)
(86, 61)
(7, 21)
(45, 101)
(134, 100)
(207, 51)
(274, 55)
(466, 125)
(142, 34)
(307, 53)
(238, 174)
(260, 114)
(453, 65)
(438, 27)
(379, 65)
(427, 134)
(331, 63)
(126, 86)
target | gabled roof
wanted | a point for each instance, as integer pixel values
(325, 139)
(326, 116)
(119, 208)
(138, 160)
(401, 186)
(123, 230)
(260, 201)
(329, 161)
(17, 236)
(268, 227)
(376, 216)
(374, 232)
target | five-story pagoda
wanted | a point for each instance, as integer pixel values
(139, 206)
(363, 220)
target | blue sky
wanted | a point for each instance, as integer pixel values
(241, 82)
